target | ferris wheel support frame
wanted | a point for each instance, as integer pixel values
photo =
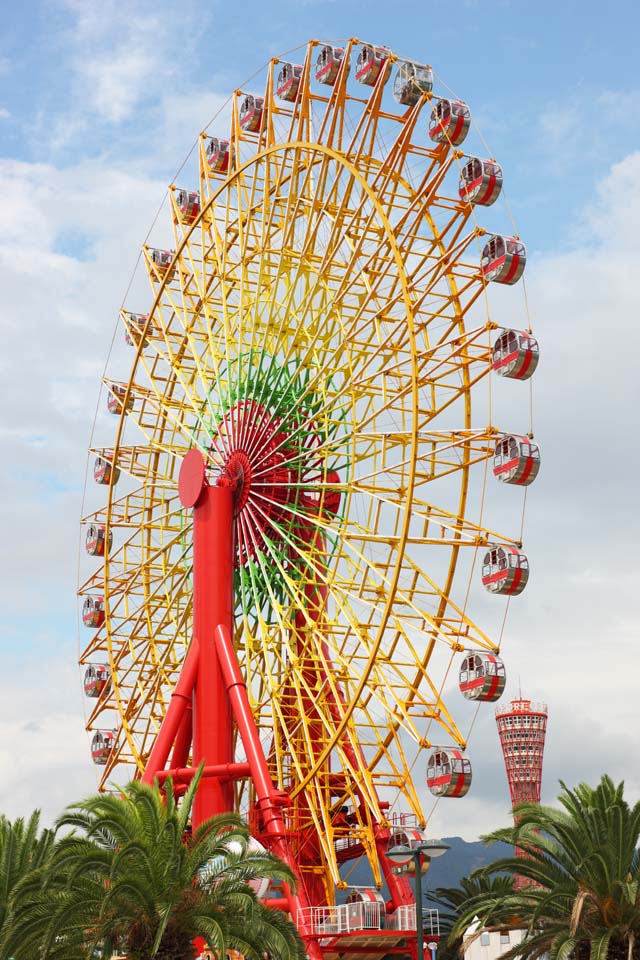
(211, 676)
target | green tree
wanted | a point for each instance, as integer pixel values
(131, 879)
(473, 894)
(583, 866)
(23, 848)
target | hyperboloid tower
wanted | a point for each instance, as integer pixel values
(522, 727)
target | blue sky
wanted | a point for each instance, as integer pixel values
(100, 103)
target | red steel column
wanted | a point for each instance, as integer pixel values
(212, 606)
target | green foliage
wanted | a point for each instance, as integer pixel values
(129, 878)
(474, 893)
(22, 850)
(583, 863)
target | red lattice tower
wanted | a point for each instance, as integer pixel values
(522, 728)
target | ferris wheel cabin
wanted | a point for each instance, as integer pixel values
(96, 679)
(104, 472)
(116, 399)
(515, 355)
(480, 182)
(365, 909)
(93, 612)
(503, 259)
(217, 154)
(482, 677)
(371, 62)
(288, 81)
(505, 570)
(188, 203)
(101, 746)
(412, 81)
(516, 460)
(328, 64)
(448, 773)
(162, 263)
(410, 837)
(449, 122)
(250, 113)
(95, 542)
(134, 327)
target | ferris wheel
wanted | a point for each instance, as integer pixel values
(313, 345)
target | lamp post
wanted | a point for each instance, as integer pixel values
(401, 855)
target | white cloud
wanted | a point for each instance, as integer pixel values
(122, 58)
(68, 239)
(43, 749)
(572, 637)
(57, 314)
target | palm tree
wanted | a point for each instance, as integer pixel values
(22, 849)
(134, 881)
(472, 895)
(583, 864)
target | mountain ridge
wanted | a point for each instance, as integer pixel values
(463, 857)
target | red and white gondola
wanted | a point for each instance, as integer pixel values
(116, 401)
(188, 203)
(448, 773)
(217, 154)
(93, 612)
(104, 472)
(480, 182)
(96, 541)
(288, 81)
(101, 746)
(449, 122)
(96, 679)
(250, 113)
(503, 259)
(328, 64)
(505, 570)
(515, 355)
(366, 909)
(412, 81)
(162, 263)
(410, 837)
(482, 677)
(134, 326)
(371, 63)
(516, 459)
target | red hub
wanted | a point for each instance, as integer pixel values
(264, 462)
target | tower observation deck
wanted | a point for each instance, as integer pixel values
(522, 728)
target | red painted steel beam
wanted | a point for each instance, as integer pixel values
(184, 737)
(180, 701)
(213, 555)
(212, 605)
(224, 771)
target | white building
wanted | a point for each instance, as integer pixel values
(479, 944)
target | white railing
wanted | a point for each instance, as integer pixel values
(345, 918)
(349, 917)
(344, 843)
(404, 820)
(404, 918)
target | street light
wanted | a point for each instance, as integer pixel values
(401, 855)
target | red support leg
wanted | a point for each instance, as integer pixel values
(212, 605)
(179, 705)
(184, 737)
